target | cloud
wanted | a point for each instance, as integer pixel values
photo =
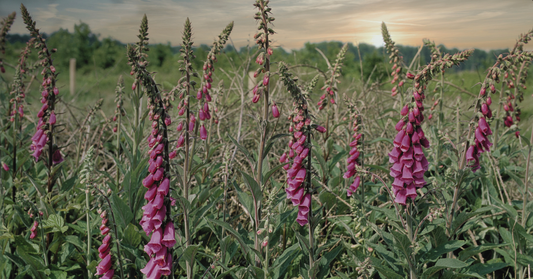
(456, 23)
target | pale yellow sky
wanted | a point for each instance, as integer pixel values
(487, 24)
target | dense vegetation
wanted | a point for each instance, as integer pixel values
(332, 161)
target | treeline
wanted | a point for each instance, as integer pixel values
(92, 52)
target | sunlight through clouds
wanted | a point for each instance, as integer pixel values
(457, 23)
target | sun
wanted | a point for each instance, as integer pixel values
(377, 40)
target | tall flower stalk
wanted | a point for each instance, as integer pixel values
(156, 221)
(299, 170)
(396, 60)
(119, 113)
(47, 117)
(262, 37)
(6, 25)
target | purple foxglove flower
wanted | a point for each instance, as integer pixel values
(407, 175)
(160, 256)
(104, 254)
(298, 160)
(321, 129)
(191, 126)
(480, 136)
(353, 187)
(265, 80)
(203, 133)
(57, 157)
(407, 158)
(148, 181)
(419, 182)
(412, 117)
(298, 134)
(353, 151)
(397, 183)
(149, 209)
(159, 217)
(37, 154)
(107, 239)
(149, 267)
(394, 155)
(297, 196)
(104, 265)
(181, 141)
(398, 139)
(172, 154)
(291, 153)
(158, 202)
(158, 174)
(302, 218)
(417, 151)
(400, 197)
(425, 163)
(405, 110)
(410, 192)
(164, 186)
(300, 175)
(52, 118)
(42, 141)
(37, 135)
(283, 158)
(409, 128)
(199, 95)
(400, 125)
(146, 224)
(256, 97)
(104, 247)
(302, 139)
(418, 170)
(109, 274)
(485, 109)
(207, 97)
(305, 204)
(353, 157)
(275, 111)
(353, 143)
(169, 238)
(406, 143)
(349, 174)
(304, 153)
(152, 168)
(396, 169)
(166, 269)
(484, 126)
(150, 194)
(351, 166)
(201, 115)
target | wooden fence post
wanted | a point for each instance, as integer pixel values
(72, 76)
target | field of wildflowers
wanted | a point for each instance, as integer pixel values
(251, 172)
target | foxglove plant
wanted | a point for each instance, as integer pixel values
(299, 170)
(407, 156)
(156, 216)
(263, 41)
(47, 117)
(6, 25)
(104, 268)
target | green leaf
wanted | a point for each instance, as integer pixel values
(379, 140)
(68, 184)
(35, 263)
(270, 142)
(434, 254)
(281, 264)
(237, 236)
(385, 271)
(451, 263)
(474, 250)
(485, 268)
(242, 149)
(326, 260)
(271, 172)
(75, 241)
(253, 186)
(131, 236)
(55, 222)
(246, 201)
(123, 215)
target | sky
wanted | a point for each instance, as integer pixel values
(485, 24)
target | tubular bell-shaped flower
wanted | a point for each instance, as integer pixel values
(354, 159)
(104, 267)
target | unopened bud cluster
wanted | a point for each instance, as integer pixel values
(119, 110)
(6, 25)
(331, 84)
(262, 39)
(395, 59)
(18, 88)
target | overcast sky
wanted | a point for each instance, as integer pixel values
(486, 24)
